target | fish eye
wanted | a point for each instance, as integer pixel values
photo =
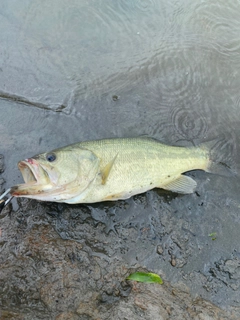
(51, 157)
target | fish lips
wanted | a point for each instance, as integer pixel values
(35, 177)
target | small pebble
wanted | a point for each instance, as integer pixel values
(173, 262)
(115, 98)
(159, 249)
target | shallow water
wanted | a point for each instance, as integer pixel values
(80, 70)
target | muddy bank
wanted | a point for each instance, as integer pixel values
(46, 277)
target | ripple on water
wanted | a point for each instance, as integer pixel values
(73, 38)
(141, 5)
(189, 123)
(220, 24)
(168, 91)
(237, 105)
(178, 75)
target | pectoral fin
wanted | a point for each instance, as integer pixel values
(106, 170)
(182, 184)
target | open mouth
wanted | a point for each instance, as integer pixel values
(33, 172)
(28, 172)
(35, 177)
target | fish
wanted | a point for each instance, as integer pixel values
(112, 169)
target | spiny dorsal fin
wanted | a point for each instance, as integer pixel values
(106, 170)
(182, 184)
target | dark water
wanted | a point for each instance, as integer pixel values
(80, 70)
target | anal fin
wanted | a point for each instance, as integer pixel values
(182, 184)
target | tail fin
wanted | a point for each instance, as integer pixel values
(221, 154)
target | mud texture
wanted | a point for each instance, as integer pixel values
(46, 277)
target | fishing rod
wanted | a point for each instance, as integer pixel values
(4, 202)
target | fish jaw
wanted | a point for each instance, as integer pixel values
(29, 190)
(35, 177)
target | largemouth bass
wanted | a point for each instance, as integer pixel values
(110, 169)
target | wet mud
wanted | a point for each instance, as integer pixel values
(78, 71)
(71, 267)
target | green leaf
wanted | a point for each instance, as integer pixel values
(145, 277)
(213, 235)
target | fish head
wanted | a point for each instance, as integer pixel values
(57, 175)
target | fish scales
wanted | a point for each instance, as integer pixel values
(143, 164)
(109, 169)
